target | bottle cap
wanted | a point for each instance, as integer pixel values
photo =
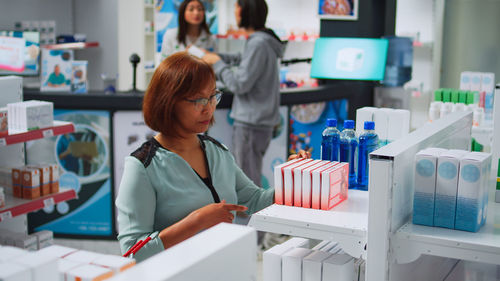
(369, 125)
(330, 122)
(349, 124)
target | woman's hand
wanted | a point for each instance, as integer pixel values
(211, 58)
(216, 213)
(300, 154)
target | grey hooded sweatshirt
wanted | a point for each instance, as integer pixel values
(255, 82)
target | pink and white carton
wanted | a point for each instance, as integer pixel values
(334, 186)
(297, 182)
(316, 184)
(289, 182)
(278, 180)
(307, 182)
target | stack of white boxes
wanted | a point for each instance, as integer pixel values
(294, 261)
(32, 242)
(311, 183)
(451, 188)
(29, 115)
(390, 124)
(59, 263)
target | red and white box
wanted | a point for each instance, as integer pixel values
(316, 184)
(278, 180)
(44, 178)
(334, 186)
(297, 182)
(289, 181)
(307, 183)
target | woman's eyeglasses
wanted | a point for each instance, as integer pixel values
(213, 100)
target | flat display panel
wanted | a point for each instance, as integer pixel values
(19, 53)
(349, 58)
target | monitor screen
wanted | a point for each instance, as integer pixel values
(19, 53)
(349, 58)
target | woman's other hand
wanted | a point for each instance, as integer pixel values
(300, 154)
(211, 58)
(216, 213)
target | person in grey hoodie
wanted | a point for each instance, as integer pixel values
(255, 85)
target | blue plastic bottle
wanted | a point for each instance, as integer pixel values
(368, 142)
(348, 150)
(330, 141)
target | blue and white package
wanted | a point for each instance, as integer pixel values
(446, 188)
(425, 185)
(472, 196)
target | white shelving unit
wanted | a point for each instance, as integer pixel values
(13, 215)
(345, 224)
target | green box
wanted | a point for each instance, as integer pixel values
(498, 168)
(470, 97)
(462, 97)
(446, 95)
(454, 96)
(438, 95)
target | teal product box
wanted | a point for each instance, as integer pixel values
(79, 82)
(425, 185)
(446, 188)
(472, 195)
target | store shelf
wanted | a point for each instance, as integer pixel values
(73, 46)
(411, 241)
(345, 224)
(59, 128)
(17, 206)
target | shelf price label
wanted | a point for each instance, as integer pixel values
(48, 133)
(5, 215)
(48, 202)
(3, 142)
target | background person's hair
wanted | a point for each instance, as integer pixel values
(253, 14)
(183, 25)
(178, 77)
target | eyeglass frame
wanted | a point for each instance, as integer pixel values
(202, 102)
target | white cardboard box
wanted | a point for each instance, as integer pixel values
(271, 259)
(312, 265)
(56, 251)
(115, 263)
(362, 115)
(42, 267)
(89, 272)
(381, 119)
(292, 264)
(399, 124)
(339, 268)
(446, 188)
(297, 182)
(472, 195)
(425, 185)
(8, 253)
(14, 272)
(83, 256)
(307, 183)
(64, 266)
(465, 80)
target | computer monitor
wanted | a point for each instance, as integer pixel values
(19, 53)
(349, 58)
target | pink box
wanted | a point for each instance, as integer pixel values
(316, 185)
(297, 182)
(288, 180)
(278, 180)
(307, 183)
(334, 186)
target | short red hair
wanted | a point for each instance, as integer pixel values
(178, 77)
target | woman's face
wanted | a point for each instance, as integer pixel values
(237, 13)
(194, 13)
(193, 116)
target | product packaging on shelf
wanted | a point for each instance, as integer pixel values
(79, 81)
(30, 115)
(31, 183)
(56, 70)
(64, 266)
(271, 259)
(279, 182)
(312, 265)
(57, 251)
(288, 179)
(42, 268)
(334, 186)
(44, 238)
(446, 188)
(44, 178)
(316, 184)
(89, 272)
(54, 177)
(115, 263)
(297, 182)
(25, 241)
(2, 198)
(292, 264)
(472, 196)
(338, 267)
(425, 185)
(307, 182)
(4, 121)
